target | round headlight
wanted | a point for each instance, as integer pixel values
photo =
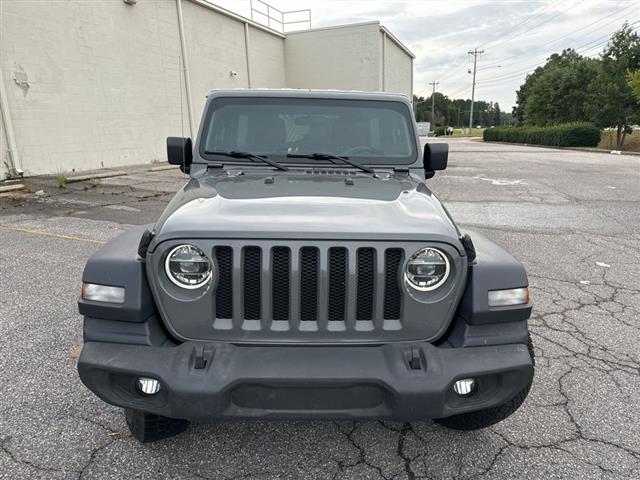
(427, 269)
(188, 267)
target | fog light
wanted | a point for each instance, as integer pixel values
(148, 386)
(465, 387)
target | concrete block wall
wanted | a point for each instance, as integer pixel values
(344, 58)
(350, 57)
(105, 82)
(267, 56)
(398, 67)
(101, 84)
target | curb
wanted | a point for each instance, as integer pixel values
(81, 178)
(575, 149)
(162, 168)
(11, 188)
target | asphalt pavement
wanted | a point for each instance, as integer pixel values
(573, 219)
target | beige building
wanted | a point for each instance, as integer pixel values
(87, 85)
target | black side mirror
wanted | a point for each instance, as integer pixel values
(180, 152)
(435, 158)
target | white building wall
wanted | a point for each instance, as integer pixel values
(4, 150)
(345, 58)
(398, 67)
(105, 79)
(214, 48)
(102, 84)
(267, 58)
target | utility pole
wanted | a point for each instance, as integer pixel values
(433, 103)
(475, 54)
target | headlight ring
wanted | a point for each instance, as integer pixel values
(188, 267)
(427, 269)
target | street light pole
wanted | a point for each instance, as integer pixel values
(475, 54)
(433, 102)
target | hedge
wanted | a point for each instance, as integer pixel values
(564, 135)
(439, 131)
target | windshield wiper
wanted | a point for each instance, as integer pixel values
(329, 156)
(250, 156)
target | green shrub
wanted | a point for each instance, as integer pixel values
(564, 135)
(439, 131)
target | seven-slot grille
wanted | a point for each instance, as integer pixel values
(309, 287)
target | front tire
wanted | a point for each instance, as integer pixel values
(490, 416)
(149, 427)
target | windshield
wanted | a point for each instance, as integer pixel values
(366, 131)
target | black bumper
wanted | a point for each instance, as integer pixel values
(206, 381)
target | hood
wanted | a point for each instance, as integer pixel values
(323, 205)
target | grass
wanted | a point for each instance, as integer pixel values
(462, 132)
(631, 142)
(61, 180)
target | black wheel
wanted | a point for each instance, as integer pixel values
(490, 416)
(148, 427)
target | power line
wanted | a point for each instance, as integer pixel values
(513, 76)
(585, 47)
(535, 15)
(537, 25)
(617, 19)
(553, 4)
(508, 76)
(526, 20)
(593, 23)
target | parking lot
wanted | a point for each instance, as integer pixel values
(573, 219)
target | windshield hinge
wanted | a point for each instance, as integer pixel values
(143, 246)
(469, 248)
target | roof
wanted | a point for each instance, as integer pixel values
(375, 24)
(307, 93)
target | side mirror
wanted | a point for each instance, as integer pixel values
(180, 152)
(435, 158)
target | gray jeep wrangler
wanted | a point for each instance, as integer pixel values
(305, 271)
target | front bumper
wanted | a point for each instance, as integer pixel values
(206, 381)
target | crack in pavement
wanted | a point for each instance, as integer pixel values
(584, 334)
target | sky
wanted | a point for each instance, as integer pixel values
(516, 36)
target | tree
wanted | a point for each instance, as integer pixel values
(633, 80)
(570, 87)
(522, 94)
(455, 112)
(497, 115)
(555, 93)
(611, 99)
(558, 94)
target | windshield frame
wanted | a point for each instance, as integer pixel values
(371, 161)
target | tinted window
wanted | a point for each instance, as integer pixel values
(366, 131)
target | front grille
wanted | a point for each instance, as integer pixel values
(392, 289)
(366, 269)
(337, 284)
(309, 287)
(251, 269)
(309, 272)
(224, 291)
(280, 271)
